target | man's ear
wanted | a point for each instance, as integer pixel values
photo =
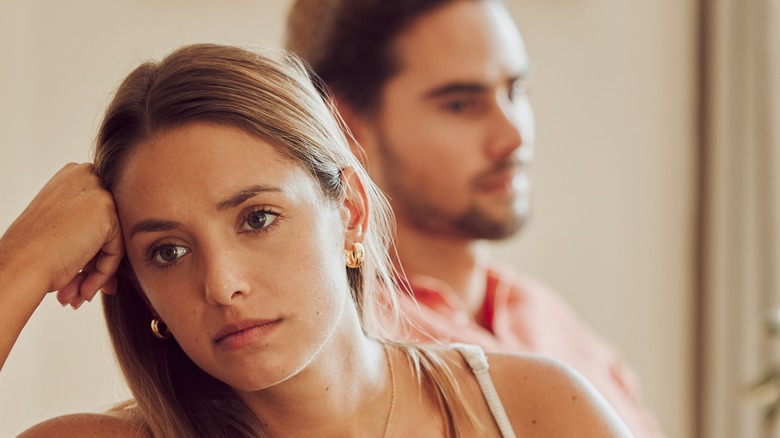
(351, 118)
(354, 211)
(361, 136)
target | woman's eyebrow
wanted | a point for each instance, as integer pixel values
(238, 198)
(151, 225)
(242, 195)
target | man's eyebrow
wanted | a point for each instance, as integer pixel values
(456, 88)
(242, 195)
(151, 225)
(470, 87)
(523, 76)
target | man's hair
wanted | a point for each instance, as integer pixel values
(349, 43)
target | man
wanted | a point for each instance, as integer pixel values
(434, 92)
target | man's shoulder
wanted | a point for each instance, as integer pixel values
(86, 426)
(520, 285)
(503, 273)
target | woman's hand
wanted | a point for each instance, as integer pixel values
(69, 235)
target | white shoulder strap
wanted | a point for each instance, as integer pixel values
(479, 365)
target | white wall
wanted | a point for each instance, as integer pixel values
(613, 91)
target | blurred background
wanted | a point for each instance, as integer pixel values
(655, 200)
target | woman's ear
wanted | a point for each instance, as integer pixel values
(354, 211)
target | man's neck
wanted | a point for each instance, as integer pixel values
(459, 263)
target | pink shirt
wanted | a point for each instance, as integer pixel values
(522, 316)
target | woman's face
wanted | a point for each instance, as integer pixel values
(237, 251)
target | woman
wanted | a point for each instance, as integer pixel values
(228, 301)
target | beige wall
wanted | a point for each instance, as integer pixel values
(613, 91)
(614, 94)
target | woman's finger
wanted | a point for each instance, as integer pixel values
(70, 293)
(105, 265)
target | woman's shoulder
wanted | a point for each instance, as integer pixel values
(538, 391)
(86, 426)
(543, 369)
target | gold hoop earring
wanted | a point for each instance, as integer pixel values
(159, 329)
(356, 256)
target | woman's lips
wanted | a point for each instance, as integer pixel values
(243, 333)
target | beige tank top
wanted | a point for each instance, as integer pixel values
(479, 366)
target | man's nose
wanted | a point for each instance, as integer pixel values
(511, 129)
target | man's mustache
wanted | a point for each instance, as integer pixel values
(501, 168)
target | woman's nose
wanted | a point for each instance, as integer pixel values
(225, 281)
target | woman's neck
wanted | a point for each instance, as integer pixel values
(338, 394)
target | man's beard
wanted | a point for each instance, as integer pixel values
(478, 225)
(476, 222)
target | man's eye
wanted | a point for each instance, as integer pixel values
(459, 106)
(258, 220)
(518, 88)
(167, 254)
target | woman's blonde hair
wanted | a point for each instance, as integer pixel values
(272, 96)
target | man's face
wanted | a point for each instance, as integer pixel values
(453, 138)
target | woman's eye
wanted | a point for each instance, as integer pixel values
(258, 220)
(167, 254)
